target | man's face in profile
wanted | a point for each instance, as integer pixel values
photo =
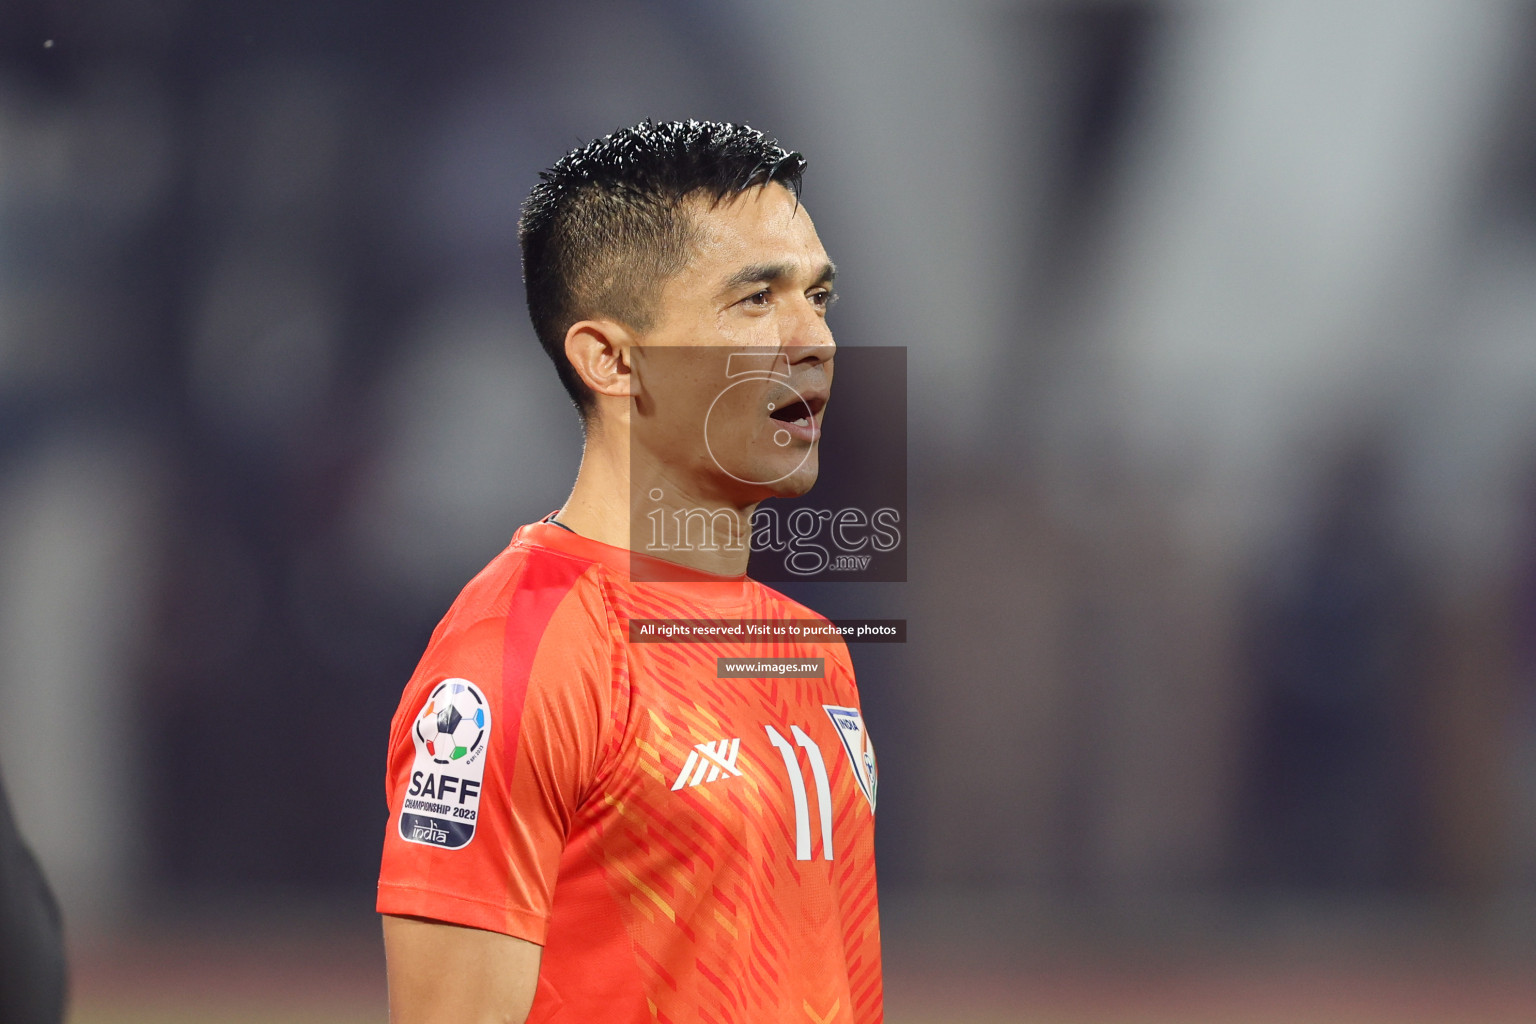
(735, 375)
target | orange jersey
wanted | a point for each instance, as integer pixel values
(685, 847)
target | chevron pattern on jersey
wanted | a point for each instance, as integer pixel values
(716, 902)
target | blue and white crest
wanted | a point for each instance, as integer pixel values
(861, 752)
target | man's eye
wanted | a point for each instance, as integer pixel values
(824, 299)
(757, 298)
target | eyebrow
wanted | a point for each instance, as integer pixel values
(767, 273)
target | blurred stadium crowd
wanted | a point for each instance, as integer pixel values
(1221, 331)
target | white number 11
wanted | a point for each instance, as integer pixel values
(797, 787)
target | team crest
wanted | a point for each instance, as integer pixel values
(452, 735)
(861, 752)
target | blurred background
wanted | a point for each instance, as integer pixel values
(1219, 701)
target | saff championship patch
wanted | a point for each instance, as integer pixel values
(861, 751)
(452, 734)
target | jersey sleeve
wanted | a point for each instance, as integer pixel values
(476, 832)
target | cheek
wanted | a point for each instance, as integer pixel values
(704, 405)
(737, 329)
(690, 401)
(683, 379)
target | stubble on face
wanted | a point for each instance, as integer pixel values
(753, 291)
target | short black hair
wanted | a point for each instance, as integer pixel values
(607, 225)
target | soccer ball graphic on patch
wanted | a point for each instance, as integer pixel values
(452, 725)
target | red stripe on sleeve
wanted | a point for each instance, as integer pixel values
(546, 580)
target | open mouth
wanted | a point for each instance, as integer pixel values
(798, 412)
(798, 417)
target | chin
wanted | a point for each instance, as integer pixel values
(767, 473)
(797, 483)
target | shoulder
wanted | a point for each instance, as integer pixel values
(532, 622)
(525, 586)
(527, 602)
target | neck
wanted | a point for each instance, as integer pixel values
(633, 500)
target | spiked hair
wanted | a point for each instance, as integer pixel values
(608, 224)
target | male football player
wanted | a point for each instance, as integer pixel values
(589, 828)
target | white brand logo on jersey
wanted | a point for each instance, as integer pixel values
(861, 752)
(708, 761)
(452, 735)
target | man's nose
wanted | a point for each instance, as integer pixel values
(807, 332)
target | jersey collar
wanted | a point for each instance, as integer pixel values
(626, 564)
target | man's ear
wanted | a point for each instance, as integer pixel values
(600, 352)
